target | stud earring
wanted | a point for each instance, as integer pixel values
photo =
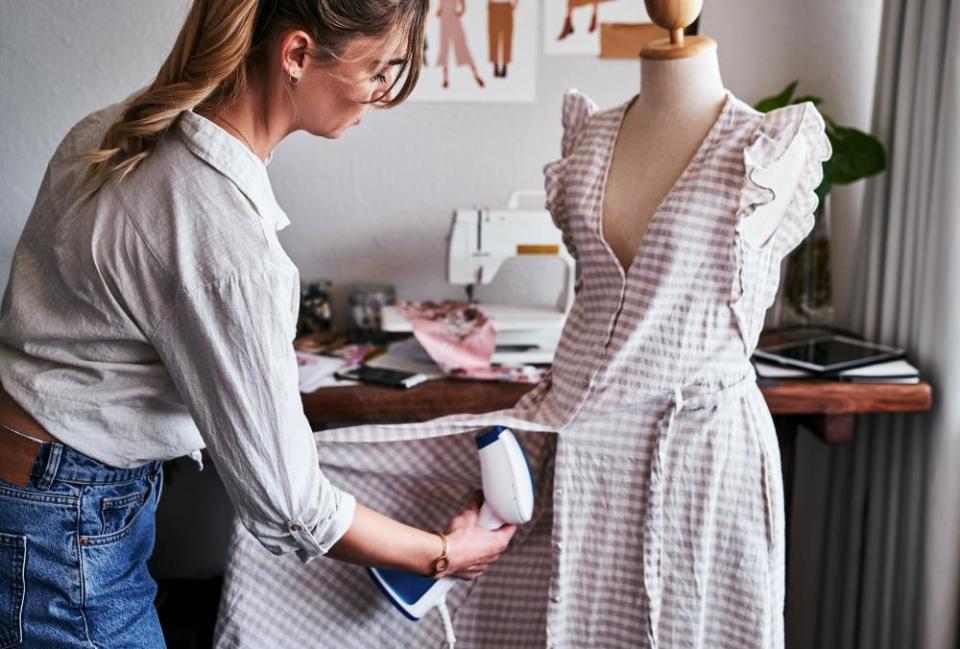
(294, 78)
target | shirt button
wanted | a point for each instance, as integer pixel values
(295, 528)
(555, 599)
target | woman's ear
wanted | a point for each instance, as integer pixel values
(294, 51)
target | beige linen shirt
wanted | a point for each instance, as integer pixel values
(156, 317)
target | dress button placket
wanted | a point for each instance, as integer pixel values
(616, 314)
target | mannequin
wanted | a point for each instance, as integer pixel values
(680, 99)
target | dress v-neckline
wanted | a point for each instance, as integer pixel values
(705, 144)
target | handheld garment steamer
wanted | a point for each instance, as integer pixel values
(507, 499)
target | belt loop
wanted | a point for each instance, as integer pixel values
(53, 465)
(677, 399)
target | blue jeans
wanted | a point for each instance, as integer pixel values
(74, 545)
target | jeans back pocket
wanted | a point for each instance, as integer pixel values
(13, 562)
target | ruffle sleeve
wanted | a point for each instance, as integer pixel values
(577, 109)
(776, 133)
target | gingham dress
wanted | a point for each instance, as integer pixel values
(659, 518)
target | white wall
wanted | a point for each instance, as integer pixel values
(376, 204)
(59, 60)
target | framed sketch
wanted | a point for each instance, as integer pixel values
(573, 26)
(480, 51)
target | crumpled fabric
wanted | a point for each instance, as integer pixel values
(461, 340)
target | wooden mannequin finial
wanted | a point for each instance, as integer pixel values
(675, 16)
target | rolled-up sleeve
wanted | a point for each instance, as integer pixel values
(228, 347)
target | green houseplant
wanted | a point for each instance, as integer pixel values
(856, 155)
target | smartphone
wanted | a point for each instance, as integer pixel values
(382, 376)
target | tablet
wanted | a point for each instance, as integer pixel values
(828, 354)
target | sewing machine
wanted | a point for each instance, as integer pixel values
(480, 241)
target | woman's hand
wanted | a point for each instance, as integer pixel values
(471, 548)
(377, 540)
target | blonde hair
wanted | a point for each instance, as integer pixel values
(211, 57)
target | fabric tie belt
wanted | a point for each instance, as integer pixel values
(653, 521)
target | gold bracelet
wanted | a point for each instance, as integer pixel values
(441, 563)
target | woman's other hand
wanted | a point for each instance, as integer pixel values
(472, 547)
(377, 540)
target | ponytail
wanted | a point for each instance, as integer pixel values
(208, 58)
(208, 64)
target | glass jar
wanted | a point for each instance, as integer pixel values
(367, 302)
(316, 308)
(807, 291)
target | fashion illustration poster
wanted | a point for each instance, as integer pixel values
(480, 50)
(573, 26)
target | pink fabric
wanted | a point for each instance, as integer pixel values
(461, 340)
(455, 334)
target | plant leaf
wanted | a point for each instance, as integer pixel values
(778, 100)
(856, 155)
(813, 99)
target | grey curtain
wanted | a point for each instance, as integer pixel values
(886, 573)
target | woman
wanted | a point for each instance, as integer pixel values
(150, 312)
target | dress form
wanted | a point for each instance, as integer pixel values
(681, 96)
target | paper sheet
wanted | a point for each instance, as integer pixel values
(317, 371)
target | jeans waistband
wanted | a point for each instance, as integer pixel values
(56, 461)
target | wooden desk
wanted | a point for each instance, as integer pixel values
(367, 404)
(826, 407)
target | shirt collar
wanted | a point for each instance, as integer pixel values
(230, 157)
